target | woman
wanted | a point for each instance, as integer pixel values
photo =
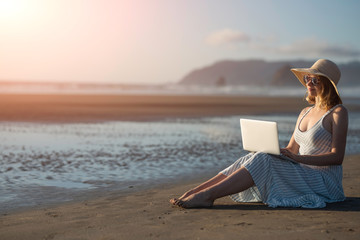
(317, 146)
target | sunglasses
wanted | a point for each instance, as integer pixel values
(315, 80)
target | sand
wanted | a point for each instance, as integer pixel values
(148, 214)
(95, 108)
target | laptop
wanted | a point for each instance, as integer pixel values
(260, 136)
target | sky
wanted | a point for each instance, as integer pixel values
(161, 41)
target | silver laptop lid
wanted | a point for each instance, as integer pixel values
(260, 136)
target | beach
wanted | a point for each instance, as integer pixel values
(96, 108)
(144, 212)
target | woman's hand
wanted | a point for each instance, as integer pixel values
(286, 152)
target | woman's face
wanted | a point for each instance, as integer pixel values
(313, 84)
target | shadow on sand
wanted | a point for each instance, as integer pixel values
(351, 204)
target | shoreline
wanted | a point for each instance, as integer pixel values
(87, 108)
(98, 108)
(119, 215)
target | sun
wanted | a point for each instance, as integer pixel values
(10, 9)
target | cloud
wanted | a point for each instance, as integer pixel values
(312, 47)
(307, 47)
(226, 37)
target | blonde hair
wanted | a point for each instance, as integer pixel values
(328, 95)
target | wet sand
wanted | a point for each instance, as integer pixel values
(92, 108)
(148, 214)
(63, 108)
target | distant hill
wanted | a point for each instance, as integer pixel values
(263, 73)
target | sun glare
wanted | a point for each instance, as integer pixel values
(10, 9)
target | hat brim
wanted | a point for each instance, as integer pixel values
(300, 72)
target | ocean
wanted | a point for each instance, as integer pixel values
(54, 163)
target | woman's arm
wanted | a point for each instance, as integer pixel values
(339, 123)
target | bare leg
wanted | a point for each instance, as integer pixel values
(218, 178)
(238, 181)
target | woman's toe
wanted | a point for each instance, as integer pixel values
(173, 201)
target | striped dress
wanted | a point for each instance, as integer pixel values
(281, 182)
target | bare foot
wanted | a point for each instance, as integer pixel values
(198, 200)
(175, 201)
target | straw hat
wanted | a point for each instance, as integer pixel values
(321, 67)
